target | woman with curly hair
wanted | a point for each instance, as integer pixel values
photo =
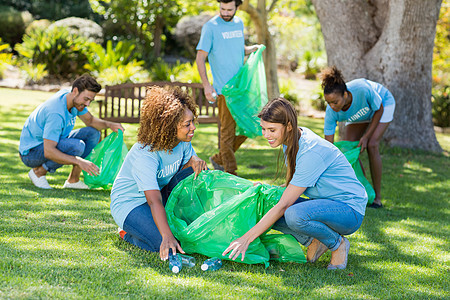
(368, 109)
(162, 156)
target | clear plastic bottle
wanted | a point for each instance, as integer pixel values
(187, 261)
(175, 263)
(214, 95)
(212, 264)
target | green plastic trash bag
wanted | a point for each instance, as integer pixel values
(208, 213)
(108, 155)
(351, 152)
(246, 94)
(283, 247)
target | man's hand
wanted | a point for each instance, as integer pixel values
(210, 94)
(116, 126)
(88, 167)
(251, 49)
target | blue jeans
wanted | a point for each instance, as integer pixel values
(323, 219)
(80, 143)
(139, 225)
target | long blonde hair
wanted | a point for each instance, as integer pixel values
(281, 111)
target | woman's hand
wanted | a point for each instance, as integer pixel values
(237, 247)
(197, 165)
(363, 143)
(169, 243)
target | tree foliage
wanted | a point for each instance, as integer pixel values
(52, 9)
(63, 54)
(441, 55)
(13, 24)
(147, 22)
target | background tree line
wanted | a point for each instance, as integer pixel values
(389, 41)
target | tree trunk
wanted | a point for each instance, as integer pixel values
(258, 16)
(390, 42)
(157, 34)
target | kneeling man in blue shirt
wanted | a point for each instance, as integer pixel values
(48, 142)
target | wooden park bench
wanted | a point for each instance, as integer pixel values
(122, 102)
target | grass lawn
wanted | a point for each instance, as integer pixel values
(64, 243)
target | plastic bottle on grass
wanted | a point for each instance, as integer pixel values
(178, 261)
(175, 263)
(212, 264)
(187, 261)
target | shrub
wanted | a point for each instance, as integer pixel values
(42, 25)
(188, 72)
(318, 100)
(34, 73)
(101, 58)
(311, 64)
(13, 24)
(53, 9)
(298, 37)
(441, 106)
(131, 72)
(161, 71)
(441, 52)
(6, 58)
(287, 90)
(115, 65)
(81, 27)
(64, 54)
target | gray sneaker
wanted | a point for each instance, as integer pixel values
(216, 165)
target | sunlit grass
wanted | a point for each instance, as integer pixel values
(64, 244)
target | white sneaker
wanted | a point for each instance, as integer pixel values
(40, 182)
(80, 185)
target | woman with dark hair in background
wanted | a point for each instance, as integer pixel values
(368, 109)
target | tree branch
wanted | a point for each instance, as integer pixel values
(253, 12)
(272, 6)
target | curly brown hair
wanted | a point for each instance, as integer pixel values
(333, 81)
(161, 113)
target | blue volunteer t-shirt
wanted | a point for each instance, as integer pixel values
(143, 170)
(51, 120)
(326, 173)
(367, 98)
(224, 42)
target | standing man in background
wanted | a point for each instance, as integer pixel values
(222, 41)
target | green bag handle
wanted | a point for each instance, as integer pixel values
(351, 151)
(246, 94)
